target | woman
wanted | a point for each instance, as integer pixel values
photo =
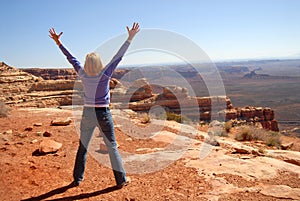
(95, 79)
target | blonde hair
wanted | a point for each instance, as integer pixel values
(93, 65)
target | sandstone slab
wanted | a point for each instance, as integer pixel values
(61, 122)
(49, 146)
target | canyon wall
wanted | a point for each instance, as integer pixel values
(57, 87)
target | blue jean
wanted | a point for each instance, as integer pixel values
(101, 118)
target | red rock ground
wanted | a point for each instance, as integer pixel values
(27, 177)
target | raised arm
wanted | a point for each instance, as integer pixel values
(72, 60)
(118, 57)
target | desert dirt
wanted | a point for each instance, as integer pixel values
(25, 176)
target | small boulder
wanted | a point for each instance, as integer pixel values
(34, 141)
(39, 133)
(212, 141)
(49, 146)
(241, 150)
(22, 135)
(28, 128)
(47, 134)
(37, 124)
(287, 146)
(61, 122)
(8, 132)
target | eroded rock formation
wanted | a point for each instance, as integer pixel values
(53, 73)
(20, 88)
(56, 87)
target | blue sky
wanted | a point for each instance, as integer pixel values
(225, 30)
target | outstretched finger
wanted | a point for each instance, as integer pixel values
(52, 31)
(136, 27)
(133, 25)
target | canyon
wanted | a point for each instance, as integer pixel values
(39, 139)
(41, 88)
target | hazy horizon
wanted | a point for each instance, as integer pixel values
(167, 63)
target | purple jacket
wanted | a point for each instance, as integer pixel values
(96, 88)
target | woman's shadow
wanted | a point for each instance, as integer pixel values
(74, 197)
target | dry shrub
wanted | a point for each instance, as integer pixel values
(145, 118)
(273, 139)
(228, 126)
(224, 133)
(244, 134)
(4, 110)
(249, 133)
(171, 116)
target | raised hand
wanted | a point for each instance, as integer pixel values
(134, 30)
(54, 36)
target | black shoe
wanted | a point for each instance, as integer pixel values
(74, 184)
(128, 181)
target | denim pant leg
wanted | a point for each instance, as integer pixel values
(87, 127)
(107, 128)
